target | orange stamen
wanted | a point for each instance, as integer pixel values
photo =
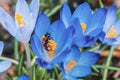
(112, 33)
(71, 65)
(19, 20)
(51, 47)
(83, 25)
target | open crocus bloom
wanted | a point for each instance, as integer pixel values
(24, 77)
(90, 24)
(25, 17)
(111, 28)
(5, 64)
(78, 64)
(50, 42)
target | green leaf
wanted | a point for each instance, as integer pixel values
(20, 63)
(108, 62)
(118, 13)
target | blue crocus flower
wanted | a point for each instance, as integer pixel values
(89, 25)
(50, 42)
(4, 64)
(111, 29)
(25, 17)
(24, 77)
(78, 64)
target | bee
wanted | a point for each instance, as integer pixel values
(45, 40)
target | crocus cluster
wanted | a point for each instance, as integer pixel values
(59, 43)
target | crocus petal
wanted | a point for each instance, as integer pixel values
(84, 41)
(106, 40)
(34, 8)
(5, 65)
(23, 34)
(37, 48)
(44, 64)
(69, 77)
(57, 31)
(83, 12)
(116, 25)
(96, 22)
(23, 10)
(110, 18)
(80, 39)
(80, 71)
(117, 38)
(1, 47)
(88, 58)
(62, 67)
(70, 32)
(64, 74)
(96, 33)
(77, 27)
(74, 54)
(7, 21)
(24, 77)
(109, 41)
(102, 36)
(65, 14)
(60, 56)
(42, 25)
(36, 45)
(117, 42)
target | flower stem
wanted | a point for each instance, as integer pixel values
(27, 54)
(20, 64)
(16, 49)
(34, 73)
(103, 48)
(108, 63)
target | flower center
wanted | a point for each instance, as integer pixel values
(19, 20)
(71, 64)
(83, 26)
(49, 44)
(112, 33)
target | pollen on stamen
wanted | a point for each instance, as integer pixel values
(49, 44)
(18, 18)
(52, 47)
(83, 25)
(112, 33)
(43, 39)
